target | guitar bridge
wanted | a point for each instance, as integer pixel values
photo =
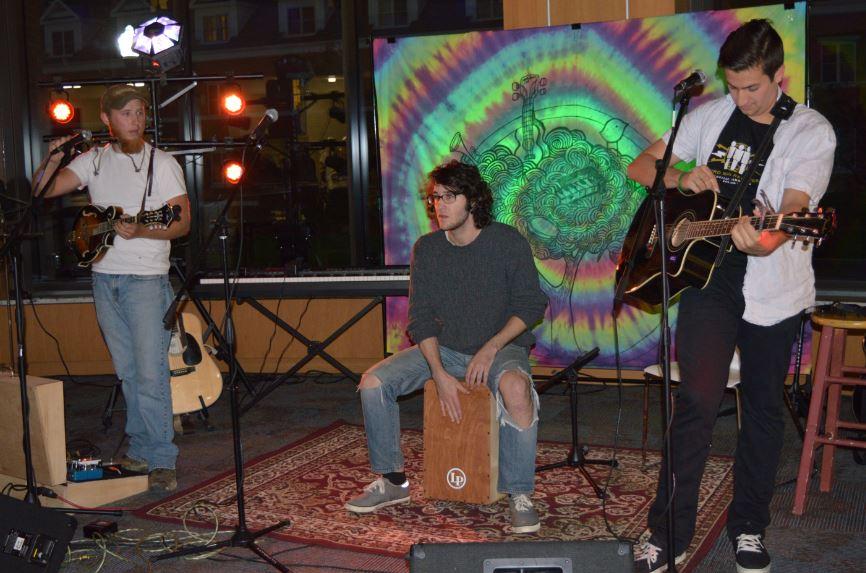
(651, 243)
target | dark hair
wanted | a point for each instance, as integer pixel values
(463, 179)
(755, 43)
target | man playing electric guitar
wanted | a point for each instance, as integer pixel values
(131, 289)
(755, 297)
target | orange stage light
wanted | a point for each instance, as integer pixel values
(233, 171)
(61, 111)
(233, 102)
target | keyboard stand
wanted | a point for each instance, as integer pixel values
(314, 347)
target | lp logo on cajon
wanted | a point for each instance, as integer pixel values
(455, 478)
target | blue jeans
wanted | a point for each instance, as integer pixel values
(407, 371)
(129, 309)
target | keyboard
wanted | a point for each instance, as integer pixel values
(391, 281)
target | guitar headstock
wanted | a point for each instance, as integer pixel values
(160, 218)
(529, 86)
(809, 227)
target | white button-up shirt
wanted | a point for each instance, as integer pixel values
(781, 284)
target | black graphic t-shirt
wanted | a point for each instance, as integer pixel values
(730, 160)
(732, 156)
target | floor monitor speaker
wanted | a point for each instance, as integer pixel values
(522, 557)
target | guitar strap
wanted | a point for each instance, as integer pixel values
(148, 187)
(781, 111)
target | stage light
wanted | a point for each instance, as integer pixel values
(159, 38)
(60, 109)
(233, 171)
(332, 79)
(124, 43)
(233, 102)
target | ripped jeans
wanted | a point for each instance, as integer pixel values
(407, 371)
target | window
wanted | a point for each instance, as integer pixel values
(838, 60)
(215, 28)
(62, 43)
(393, 13)
(301, 20)
(488, 9)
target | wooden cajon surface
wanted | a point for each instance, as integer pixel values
(47, 429)
(461, 461)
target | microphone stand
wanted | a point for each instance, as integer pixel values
(242, 536)
(657, 192)
(12, 249)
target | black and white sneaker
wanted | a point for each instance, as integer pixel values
(752, 556)
(651, 558)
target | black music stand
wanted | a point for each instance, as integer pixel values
(577, 455)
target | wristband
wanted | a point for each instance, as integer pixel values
(680, 181)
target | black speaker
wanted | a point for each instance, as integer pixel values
(34, 538)
(522, 557)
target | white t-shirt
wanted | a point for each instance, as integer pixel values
(781, 284)
(111, 178)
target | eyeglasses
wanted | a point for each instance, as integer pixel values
(448, 197)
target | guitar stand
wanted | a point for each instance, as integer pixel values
(110, 405)
(577, 455)
(221, 345)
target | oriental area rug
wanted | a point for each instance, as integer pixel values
(309, 481)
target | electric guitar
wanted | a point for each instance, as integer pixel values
(93, 231)
(694, 227)
(196, 381)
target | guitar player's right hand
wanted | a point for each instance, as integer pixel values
(55, 144)
(699, 180)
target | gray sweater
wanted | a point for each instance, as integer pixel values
(465, 295)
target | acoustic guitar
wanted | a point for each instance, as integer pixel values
(196, 381)
(694, 227)
(93, 231)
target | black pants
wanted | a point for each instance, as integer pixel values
(709, 327)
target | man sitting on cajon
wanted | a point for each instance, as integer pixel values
(472, 296)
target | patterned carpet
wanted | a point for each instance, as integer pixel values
(308, 482)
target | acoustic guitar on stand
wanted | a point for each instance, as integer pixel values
(93, 231)
(694, 227)
(196, 380)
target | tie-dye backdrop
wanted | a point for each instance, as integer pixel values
(552, 117)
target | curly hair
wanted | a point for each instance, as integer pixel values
(462, 179)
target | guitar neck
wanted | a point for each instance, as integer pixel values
(723, 227)
(107, 226)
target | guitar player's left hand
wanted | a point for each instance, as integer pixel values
(128, 230)
(753, 242)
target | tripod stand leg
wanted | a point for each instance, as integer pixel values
(108, 411)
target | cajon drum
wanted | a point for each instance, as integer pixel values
(461, 461)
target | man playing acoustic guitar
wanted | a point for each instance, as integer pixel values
(131, 289)
(754, 299)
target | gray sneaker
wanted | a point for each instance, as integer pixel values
(524, 518)
(380, 493)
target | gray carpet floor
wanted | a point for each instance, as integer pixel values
(830, 537)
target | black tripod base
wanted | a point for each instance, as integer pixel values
(241, 538)
(577, 459)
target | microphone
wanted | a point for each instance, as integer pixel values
(698, 78)
(82, 135)
(258, 133)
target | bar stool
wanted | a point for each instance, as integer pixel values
(653, 373)
(829, 377)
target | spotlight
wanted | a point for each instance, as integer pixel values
(60, 110)
(159, 38)
(233, 171)
(124, 43)
(233, 102)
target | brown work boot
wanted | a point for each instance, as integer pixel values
(162, 479)
(132, 464)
